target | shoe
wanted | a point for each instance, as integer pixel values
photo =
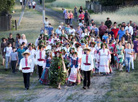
(27, 88)
(88, 87)
(84, 88)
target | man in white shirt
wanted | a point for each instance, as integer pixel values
(129, 28)
(26, 66)
(86, 67)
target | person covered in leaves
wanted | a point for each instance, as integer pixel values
(57, 71)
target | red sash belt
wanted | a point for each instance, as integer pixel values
(26, 68)
(87, 63)
(41, 60)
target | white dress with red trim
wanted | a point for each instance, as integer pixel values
(104, 57)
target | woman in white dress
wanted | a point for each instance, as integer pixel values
(104, 59)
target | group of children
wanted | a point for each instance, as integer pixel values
(68, 57)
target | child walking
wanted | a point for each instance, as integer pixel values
(8, 51)
(13, 59)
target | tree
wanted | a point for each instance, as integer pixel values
(111, 2)
(6, 6)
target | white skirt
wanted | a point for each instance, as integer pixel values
(73, 75)
(104, 64)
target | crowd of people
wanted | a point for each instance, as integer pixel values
(68, 55)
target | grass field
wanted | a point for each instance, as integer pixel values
(122, 15)
(124, 87)
(66, 3)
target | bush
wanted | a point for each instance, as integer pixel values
(6, 6)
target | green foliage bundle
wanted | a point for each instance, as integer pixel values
(56, 73)
(6, 6)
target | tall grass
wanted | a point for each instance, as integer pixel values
(122, 15)
(68, 3)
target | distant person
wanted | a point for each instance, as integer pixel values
(75, 12)
(7, 51)
(129, 28)
(3, 46)
(11, 40)
(121, 32)
(86, 17)
(29, 5)
(66, 17)
(23, 39)
(46, 23)
(13, 59)
(81, 17)
(115, 30)
(92, 22)
(102, 29)
(64, 11)
(20, 51)
(50, 29)
(108, 22)
(71, 17)
(80, 10)
(33, 4)
(21, 1)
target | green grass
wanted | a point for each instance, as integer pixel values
(122, 15)
(124, 87)
(67, 3)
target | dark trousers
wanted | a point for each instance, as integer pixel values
(26, 77)
(40, 70)
(112, 59)
(13, 66)
(87, 80)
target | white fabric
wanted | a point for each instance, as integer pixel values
(22, 40)
(130, 29)
(30, 64)
(86, 67)
(40, 63)
(73, 74)
(104, 57)
(32, 53)
(8, 51)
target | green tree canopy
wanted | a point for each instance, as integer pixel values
(111, 2)
(6, 6)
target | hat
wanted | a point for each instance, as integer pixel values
(87, 48)
(26, 52)
(59, 27)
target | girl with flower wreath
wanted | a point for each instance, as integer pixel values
(44, 78)
(57, 71)
(74, 69)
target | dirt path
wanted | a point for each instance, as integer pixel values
(53, 14)
(99, 86)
